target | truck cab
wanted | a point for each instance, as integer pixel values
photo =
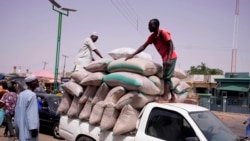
(181, 122)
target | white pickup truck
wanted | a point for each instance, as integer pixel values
(157, 122)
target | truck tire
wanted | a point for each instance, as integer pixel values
(55, 131)
(84, 138)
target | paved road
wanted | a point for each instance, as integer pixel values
(232, 120)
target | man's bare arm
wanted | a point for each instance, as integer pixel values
(140, 49)
(98, 53)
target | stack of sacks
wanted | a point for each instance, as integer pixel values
(110, 93)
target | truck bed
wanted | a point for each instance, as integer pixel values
(76, 128)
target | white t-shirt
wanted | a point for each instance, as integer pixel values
(84, 56)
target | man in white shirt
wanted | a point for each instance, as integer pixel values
(85, 56)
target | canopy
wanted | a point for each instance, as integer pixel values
(44, 74)
(234, 88)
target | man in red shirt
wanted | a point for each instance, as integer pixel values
(162, 41)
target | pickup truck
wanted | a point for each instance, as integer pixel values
(156, 122)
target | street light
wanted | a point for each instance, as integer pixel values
(55, 4)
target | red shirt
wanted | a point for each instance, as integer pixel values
(159, 40)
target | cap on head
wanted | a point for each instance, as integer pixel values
(94, 34)
(30, 78)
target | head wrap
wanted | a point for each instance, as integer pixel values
(30, 78)
(94, 34)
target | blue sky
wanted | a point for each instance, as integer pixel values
(202, 31)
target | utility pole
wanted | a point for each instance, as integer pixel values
(44, 65)
(61, 11)
(65, 57)
(235, 39)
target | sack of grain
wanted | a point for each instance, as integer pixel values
(131, 82)
(126, 51)
(77, 76)
(126, 121)
(140, 100)
(101, 93)
(64, 104)
(86, 110)
(75, 108)
(93, 79)
(73, 88)
(89, 92)
(125, 99)
(135, 65)
(97, 112)
(98, 65)
(115, 94)
(109, 117)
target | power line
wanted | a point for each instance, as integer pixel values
(130, 15)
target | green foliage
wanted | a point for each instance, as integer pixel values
(203, 69)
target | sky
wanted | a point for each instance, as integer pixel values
(202, 31)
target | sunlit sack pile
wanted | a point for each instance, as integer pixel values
(111, 92)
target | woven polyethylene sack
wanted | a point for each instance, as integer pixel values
(126, 121)
(126, 51)
(135, 65)
(73, 88)
(98, 65)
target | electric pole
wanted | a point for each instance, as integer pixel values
(44, 65)
(65, 57)
(235, 39)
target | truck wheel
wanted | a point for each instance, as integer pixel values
(83, 138)
(55, 131)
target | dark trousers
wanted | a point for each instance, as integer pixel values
(9, 125)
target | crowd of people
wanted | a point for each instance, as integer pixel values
(20, 105)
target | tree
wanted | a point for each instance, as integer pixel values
(203, 69)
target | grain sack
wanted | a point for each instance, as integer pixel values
(140, 100)
(93, 79)
(126, 79)
(75, 108)
(181, 97)
(109, 117)
(182, 88)
(89, 92)
(64, 104)
(131, 81)
(86, 110)
(175, 81)
(98, 65)
(158, 82)
(125, 99)
(160, 71)
(126, 121)
(192, 101)
(73, 88)
(96, 113)
(115, 94)
(135, 65)
(125, 52)
(179, 73)
(77, 76)
(101, 93)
